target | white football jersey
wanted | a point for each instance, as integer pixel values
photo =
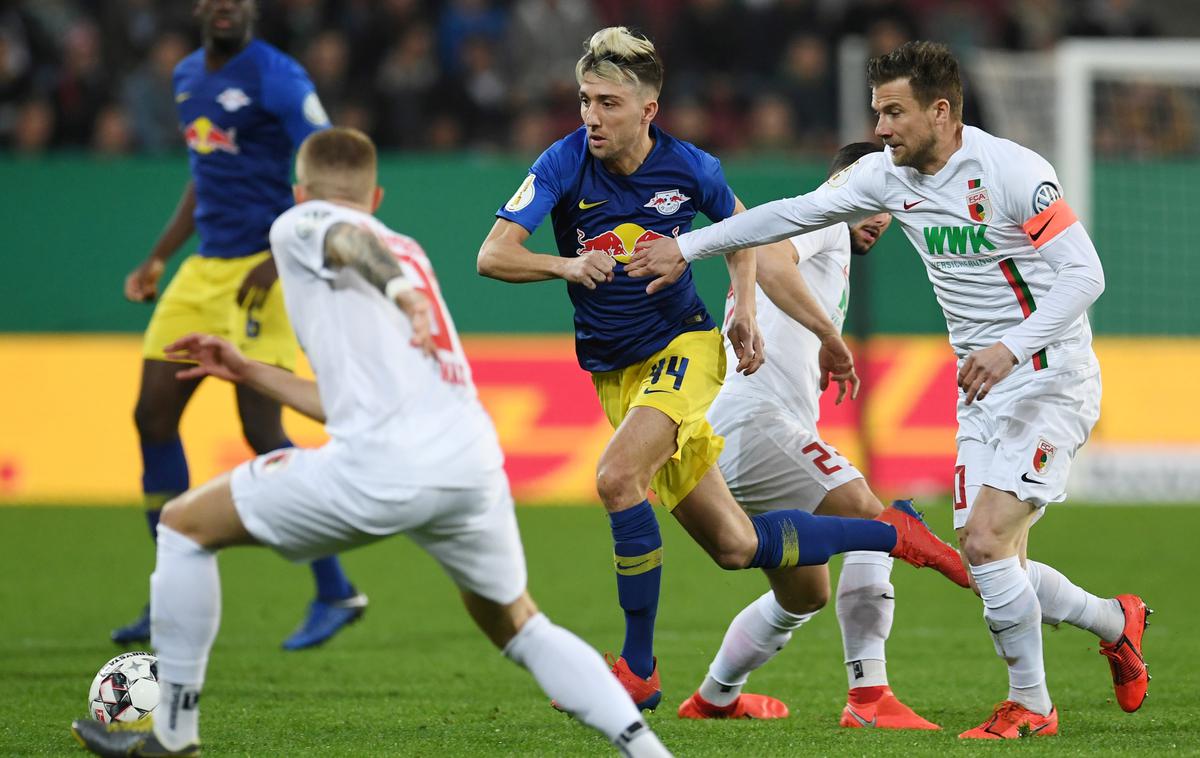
(969, 222)
(790, 378)
(411, 420)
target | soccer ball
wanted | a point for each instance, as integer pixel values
(125, 688)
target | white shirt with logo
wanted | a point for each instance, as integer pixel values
(407, 419)
(966, 222)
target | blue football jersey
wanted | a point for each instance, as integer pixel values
(242, 123)
(618, 324)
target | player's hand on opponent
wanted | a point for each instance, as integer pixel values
(747, 340)
(416, 306)
(836, 363)
(141, 286)
(590, 269)
(257, 283)
(213, 356)
(983, 369)
(660, 258)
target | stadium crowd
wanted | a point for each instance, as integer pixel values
(745, 75)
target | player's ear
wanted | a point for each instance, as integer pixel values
(941, 111)
(298, 193)
(649, 110)
(376, 199)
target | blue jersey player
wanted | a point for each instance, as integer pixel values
(244, 107)
(657, 359)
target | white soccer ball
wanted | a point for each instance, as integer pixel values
(125, 688)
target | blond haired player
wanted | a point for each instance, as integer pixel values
(657, 360)
(411, 451)
(1014, 272)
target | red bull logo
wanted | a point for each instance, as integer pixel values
(618, 242)
(667, 201)
(205, 137)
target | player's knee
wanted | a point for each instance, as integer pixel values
(265, 440)
(153, 425)
(981, 545)
(811, 600)
(864, 504)
(616, 487)
(175, 516)
(733, 552)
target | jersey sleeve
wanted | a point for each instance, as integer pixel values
(716, 197)
(850, 195)
(538, 193)
(1028, 184)
(298, 238)
(291, 97)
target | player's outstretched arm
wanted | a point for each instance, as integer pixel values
(503, 256)
(784, 285)
(142, 283)
(218, 357)
(349, 245)
(742, 328)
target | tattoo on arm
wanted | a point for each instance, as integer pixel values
(350, 245)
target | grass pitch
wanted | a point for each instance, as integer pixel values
(415, 678)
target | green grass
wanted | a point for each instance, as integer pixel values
(415, 678)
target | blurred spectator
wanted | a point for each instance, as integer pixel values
(709, 40)
(327, 60)
(546, 38)
(406, 81)
(462, 20)
(532, 131)
(290, 25)
(772, 27)
(806, 80)
(81, 86)
(771, 129)
(147, 96)
(113, 135)
(1031, 24)
(687, 119)
(34, 128)
(1111, 18)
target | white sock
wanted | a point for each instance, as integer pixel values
(185, 613)
(575, 677)
(1012, 613)
(866, 605)
(1063, 601)
(754, 637)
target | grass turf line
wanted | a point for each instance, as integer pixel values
(415, 678)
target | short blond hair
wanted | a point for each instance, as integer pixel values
(617, 55)
(337, 163)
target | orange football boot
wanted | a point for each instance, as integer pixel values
(1012, 721)
(746, 706)
(1129, 675)
(879, 708)
(646, 693)
(917, 545)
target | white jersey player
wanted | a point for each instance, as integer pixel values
(774, 457)
(1014, 273)
(411, 451)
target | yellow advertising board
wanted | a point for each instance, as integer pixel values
(67, 435)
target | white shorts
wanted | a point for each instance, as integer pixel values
(773, 460)
(1023, 437)
(297, 502)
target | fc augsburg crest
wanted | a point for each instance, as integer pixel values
(978, 205)
(1043, 455)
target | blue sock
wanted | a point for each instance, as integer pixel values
(637, 555)
(332, 583)
(164, 475)
(797, 538)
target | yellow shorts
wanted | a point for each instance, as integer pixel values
(203, 298)
(681, 380)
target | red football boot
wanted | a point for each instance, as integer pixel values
(746, 706)
(917, 545)
(646, 693)
(879, 708)
(1012, 721)
(1129, 675)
